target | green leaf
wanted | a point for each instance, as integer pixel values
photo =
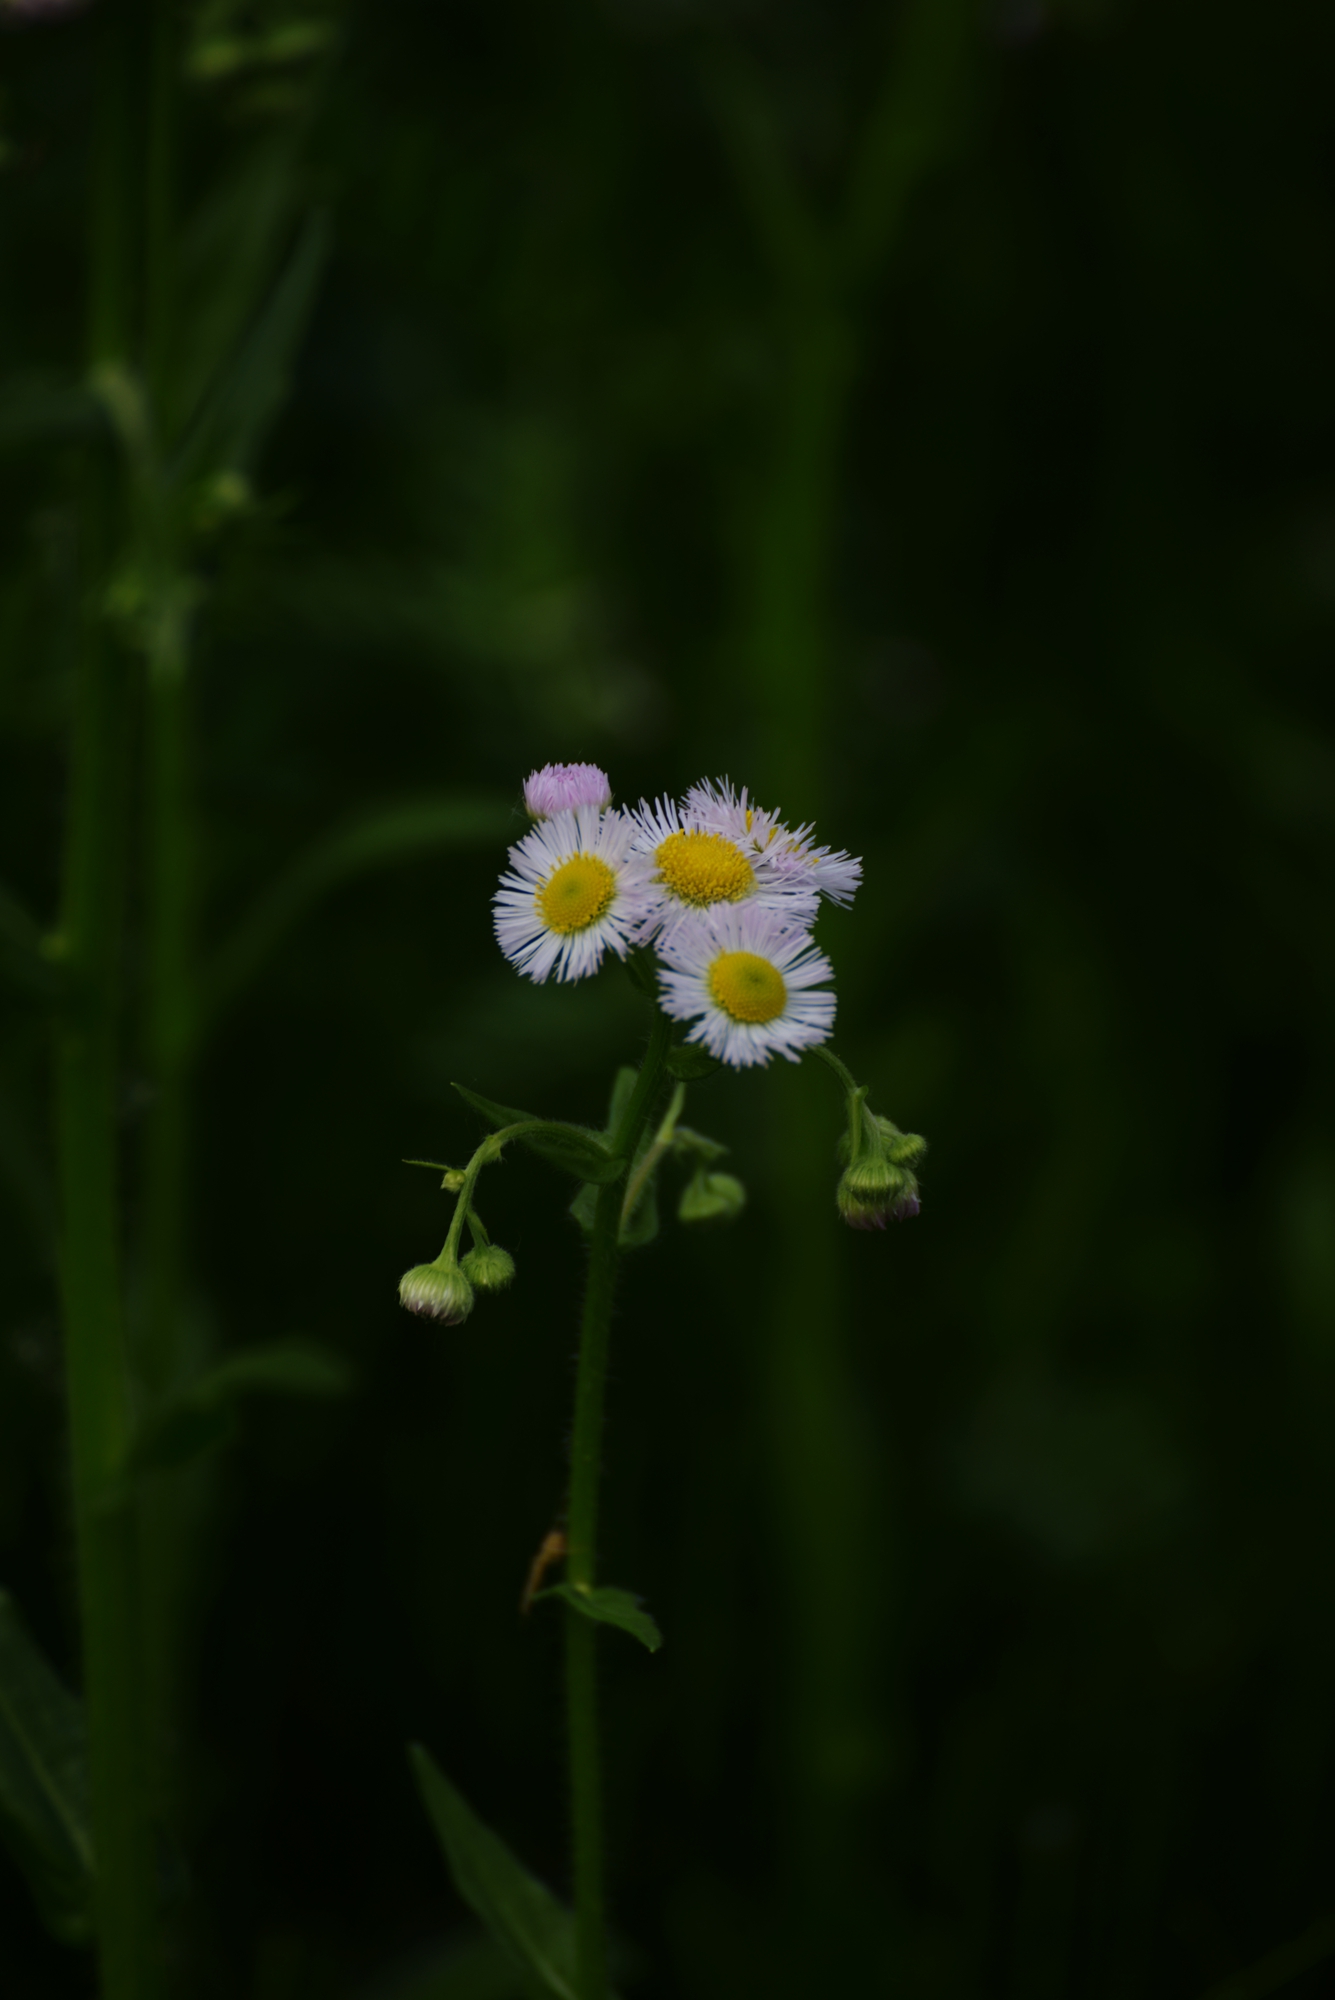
(230, 428)
(689, 1063)
(574, 1148)
(609, 1607)
(377, 839)
(203, 1414)
(519, 1911)
(44, 1783)
(642, 1225)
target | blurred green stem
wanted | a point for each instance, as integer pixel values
(820, 270)
(168, 1023)
(97, 1374)
(586, 1449)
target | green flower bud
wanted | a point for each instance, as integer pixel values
(437, 1291)
(489, 1267)
(874, 1190)
(711, 1198)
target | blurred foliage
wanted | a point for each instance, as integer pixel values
(1070, 1732)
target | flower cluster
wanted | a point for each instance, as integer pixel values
(719, 888)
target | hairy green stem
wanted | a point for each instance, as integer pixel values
(582, 1531)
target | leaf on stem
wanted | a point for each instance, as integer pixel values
(690, 1063)
(44, 1783)
(574, 1148)
(609, 1607)
(641, 1226)
(523, 1915)
(196, 1418)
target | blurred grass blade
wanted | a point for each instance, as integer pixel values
(378, 839)
(203, 1415)
(286, 1368)
(521, 1914)
(573, 1148)
(44, 1782)
(477, 1969)
(21, 957)
(230, 428)
(228, 252)
(609, 1607)
(37, 409)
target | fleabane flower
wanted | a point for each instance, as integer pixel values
(787, 853)
(697, 867)
(559, 788)
(751, 983)
(574, 890)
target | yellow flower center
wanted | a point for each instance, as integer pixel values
(576, 894)
(747, 987)
(703, 868)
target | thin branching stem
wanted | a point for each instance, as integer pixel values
(582, 1531)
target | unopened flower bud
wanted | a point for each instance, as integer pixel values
(437, 1291)
(711, 1198)
(489, 1267)
(562, 787)
(874, 1190)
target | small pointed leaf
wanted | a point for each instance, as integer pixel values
(610, 1607)
(574, 1148)
(44, 1783)
(523, 1916)
(689, 1063)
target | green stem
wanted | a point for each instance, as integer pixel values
(653, 1155)
(96, 1371)
(841, 1070)
(582, 1532)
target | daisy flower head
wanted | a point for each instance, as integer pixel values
(783, 853)
(574, 890)
(559, 788)
(698, 867)
(750, 980)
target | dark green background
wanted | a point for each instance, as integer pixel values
(994, 1555)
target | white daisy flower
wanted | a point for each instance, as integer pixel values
(747, 978)
(574, 890)
(560, 788)
(789, 853)
(697, 867)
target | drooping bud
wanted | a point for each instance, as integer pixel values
(874, 1191)
(489, 1267)
(438, 1291)
(711, 1198)
(562, 787)
(878, 1183)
